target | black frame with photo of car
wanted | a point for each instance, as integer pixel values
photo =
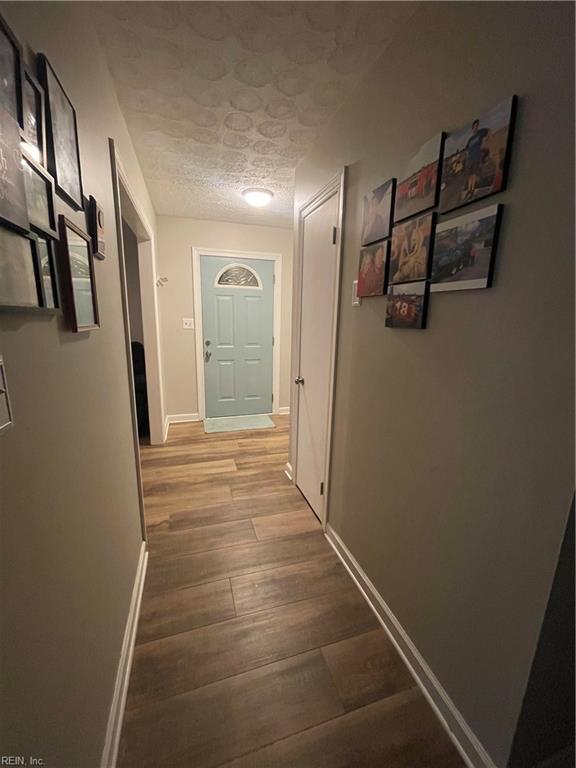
(477, 156)
(407, 305)
(418, 191)
(465, 251)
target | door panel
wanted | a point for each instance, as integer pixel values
(319, 276)
(237, 321)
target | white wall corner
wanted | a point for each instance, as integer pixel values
(116, 715)
(462, 735)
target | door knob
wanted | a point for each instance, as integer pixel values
(207, 356)
(298, 380)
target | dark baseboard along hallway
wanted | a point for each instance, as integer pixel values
(255, 647)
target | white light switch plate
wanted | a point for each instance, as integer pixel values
(188, 323)
(356, 300)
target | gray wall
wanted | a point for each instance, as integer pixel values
(452, 452)
(70, 530)
(176, 238)
(133, 283)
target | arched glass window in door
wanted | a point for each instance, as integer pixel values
(238, 276)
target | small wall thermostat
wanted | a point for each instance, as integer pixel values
(5, 410)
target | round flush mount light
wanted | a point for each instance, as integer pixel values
(257, 197)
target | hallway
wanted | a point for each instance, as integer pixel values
(254, 647)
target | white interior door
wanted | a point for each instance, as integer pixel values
(317, 328)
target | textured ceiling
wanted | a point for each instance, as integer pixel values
(220, 96)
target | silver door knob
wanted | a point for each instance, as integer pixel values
(207, 356)
(298, 380)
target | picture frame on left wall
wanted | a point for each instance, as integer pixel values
(13, 205)
(39, 187)
(19, 271)
(79, 280)
(63, 150)
(10, 72)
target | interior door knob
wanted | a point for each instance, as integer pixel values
(298, 380)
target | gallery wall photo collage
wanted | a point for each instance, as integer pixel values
(410, 247)
(46, 261)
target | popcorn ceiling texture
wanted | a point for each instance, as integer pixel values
(220, 96)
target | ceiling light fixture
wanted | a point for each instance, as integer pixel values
(257, 197)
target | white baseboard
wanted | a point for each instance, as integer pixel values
(454, 723)
(284, 410)
(176, 418)
(288, 471)
(116, 716)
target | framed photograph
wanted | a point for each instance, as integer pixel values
(378, 207)
(407, 305)
(48, 280)
(63, 152)
(418, 190)
(33, 119)
(411, 249)
(78, 267)
(372, 270)
(39, 197)
(13, 207)
(10, 72)
(477, 156)
(96, 228)
(19, 272)
(465, 249)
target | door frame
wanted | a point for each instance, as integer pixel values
(239, 256)
(335, 186)
(127, 207)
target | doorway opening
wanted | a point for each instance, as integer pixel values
(237, 308)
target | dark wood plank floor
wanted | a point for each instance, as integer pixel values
(254, 646)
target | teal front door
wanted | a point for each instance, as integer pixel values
(237, 325)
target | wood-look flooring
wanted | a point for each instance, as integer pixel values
(254, 647)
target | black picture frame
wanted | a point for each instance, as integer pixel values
(49, 286)
(35, 171)
(445, 203)
(415, 184)
(382, 198)
(406, 227)
(13, 205)
(33, 118)
(95, 220)
(72, 291)
(63, 149)
(13, 104)
(19, 270)
(466, 250)
(407, 305)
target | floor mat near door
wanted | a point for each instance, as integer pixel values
(234, 423)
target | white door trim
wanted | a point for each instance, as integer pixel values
(150, 312)
(197, 252)
(333, 187)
